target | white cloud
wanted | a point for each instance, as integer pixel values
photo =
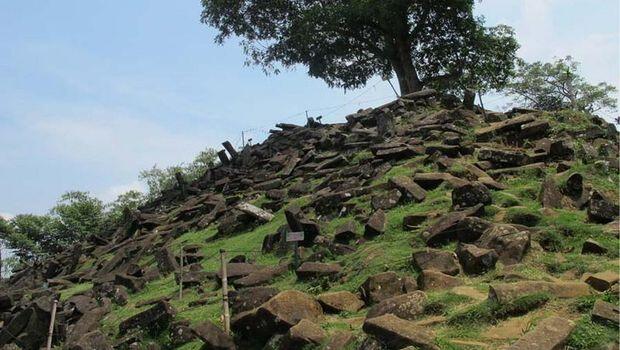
(112, 192)
(7, 216)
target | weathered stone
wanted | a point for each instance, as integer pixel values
(471, 194)
(375, 225)
(346, 232)
(386, 201)
(445, 228)
(94, 340)
(512, 124)
(276, 315)
(238, 270)
(336, 302)
(591, 246)
(213, 337)
(181, 333)
(255, 212)
(166, 261)
(268, 185)
(550, 195)
(132, 283)
(396, 153)
(406, 306)
(249, 298)
(510, 242)
(435, 280)
(602, 281)
(508, 292)
(303, 334)
(310, 270)
(430, 181)
(503, 158)
(380, 287)
(411, 190)
(152, 320)
(476, 260)
(261, 277)
(397, 333)
(605, 312)
(413, 221)
(471, 228)
(550, 334)
(602, 209)
(340, 340)
(437, 260)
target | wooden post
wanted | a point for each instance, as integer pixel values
(225, 292)
(50, 333)
(181, 276)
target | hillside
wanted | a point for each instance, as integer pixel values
(425, 224)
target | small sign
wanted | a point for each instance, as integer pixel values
(295, 236)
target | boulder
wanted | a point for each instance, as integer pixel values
(375, 225)
(550, 334)
(605, 312)
(249, 298)
(435, 280)
(602, 281)
(386, 201)
(397, 333)
(445, 228)
(471, 194)
(406, 306)
(345, 232)
(591, 246)
(437, 260)
(261, 277)
(336, 302)
(166, 263)
(503, 158)
(340, 340)
(94, 340)
(310, 270)
(410, 190)
(152, 320)
(550, 195)
(132, 283)
(471, 228)
(475, 260)
(277, 315)
(513, 124)
(509, 242)
(238, 270)
(601, 209)
(508, 292)
(380, 287)
(413, 221)
(430, 181)
(181, 333)
(255, 212)
(304, 334)
(213, 337)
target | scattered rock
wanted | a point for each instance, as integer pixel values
(605, 312)
(435, 280)
(471, 194)
(602, 281)
(406, 306)
(310, 270)
(336, 302)
(476, 260)
(602, 209)
(437, 260)
(152, 320)
(303, 334)
(411, 190)
(397, 333)
(550, 334)
(510, 242)
(386, 200)
(375, 225)
(346, 232)
(591, 246)
(249, 298)
(213, 337)
(380, 287)
(507, 292)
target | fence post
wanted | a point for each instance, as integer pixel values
(50, 333)
(225, 292)
(181, 276)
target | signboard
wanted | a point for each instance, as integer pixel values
(295, 236)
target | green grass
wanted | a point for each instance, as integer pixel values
(444, 303)
(74, 290)
(490, 312)
(361, 156)
(591, 336)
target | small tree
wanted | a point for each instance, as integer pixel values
(158, 180)
(557, 85)
(130, 200)
(346, 42)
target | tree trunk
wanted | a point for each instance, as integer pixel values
(402, 64)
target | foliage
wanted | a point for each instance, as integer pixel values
(158, 180)
(590, 335)
(345, 43)
(557, 85)
(75, 216)
(128, 201)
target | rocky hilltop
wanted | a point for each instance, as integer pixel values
(426, 225)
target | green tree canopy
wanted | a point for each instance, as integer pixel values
(558, 85)
(346, 42)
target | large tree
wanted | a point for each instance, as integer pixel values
(346, 42)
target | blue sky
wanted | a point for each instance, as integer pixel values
(92, 92)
